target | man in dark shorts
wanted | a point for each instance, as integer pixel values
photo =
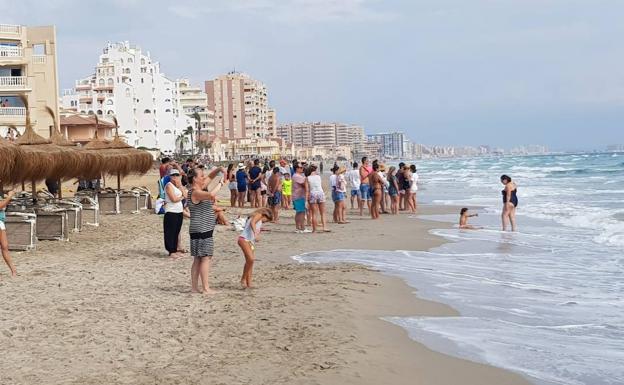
(255, 182)
(241, 184)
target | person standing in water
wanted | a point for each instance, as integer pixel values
(510, 202)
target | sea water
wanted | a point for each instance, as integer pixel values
(547, 301)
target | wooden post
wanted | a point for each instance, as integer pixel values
(60, 189)
(118, 182)
(34, 191)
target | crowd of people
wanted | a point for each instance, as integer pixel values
(270, 187)
(186, 191)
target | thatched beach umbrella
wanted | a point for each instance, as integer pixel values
(91, 163)
(120, 158)
(9, 156)
(41, 159)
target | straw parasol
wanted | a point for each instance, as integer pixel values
(141, 161)
(91, 163)
(9, 155)
(121, 159)
(41, 159)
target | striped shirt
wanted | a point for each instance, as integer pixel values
(203, 218)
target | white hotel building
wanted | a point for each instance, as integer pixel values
(128, 85)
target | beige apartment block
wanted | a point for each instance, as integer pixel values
(240, 105)
(194, 99)
(28, 67)
(271, 122)
(321, 134)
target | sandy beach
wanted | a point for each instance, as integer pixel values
(110, 307)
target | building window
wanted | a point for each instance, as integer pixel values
(147, 112)
(129, 60)
(38, 49)
(167, 131)
(167, 110)
(101, 82)
(142, 61)
(142, 81)
(99, 112)
(110, 112)
(111, 81)
(128, 132)
(109, 102)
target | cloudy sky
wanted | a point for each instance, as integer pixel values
(499, 72)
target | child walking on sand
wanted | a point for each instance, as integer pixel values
(248, 238)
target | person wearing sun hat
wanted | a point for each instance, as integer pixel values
(241, 184)
(173, 218)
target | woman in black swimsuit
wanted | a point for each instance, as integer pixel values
(510, 202)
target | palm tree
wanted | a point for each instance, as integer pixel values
(189, 131)
(198, 123)
(181, 141)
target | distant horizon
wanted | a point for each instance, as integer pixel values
(507, 73)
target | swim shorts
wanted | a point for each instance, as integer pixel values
(299, 205)
(365, 190)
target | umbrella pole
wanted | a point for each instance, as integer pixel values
(34, 191)
(23, 186)
(60, 189)
(118, 182)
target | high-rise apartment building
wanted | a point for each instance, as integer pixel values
(28, 68)
(240, 104)
(321, 134)
(128, 84)
(271, 122)
(194, 99)
(393, 145)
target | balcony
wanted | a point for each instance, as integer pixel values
(103, 88)
(10, 31)
(39, 59)
(80, 87)
(11, 52)
(12, 115)
(14, 83)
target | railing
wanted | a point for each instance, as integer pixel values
(12, 111)
(10, 29)
(39, 59)
(13, 81)
(10, 51)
